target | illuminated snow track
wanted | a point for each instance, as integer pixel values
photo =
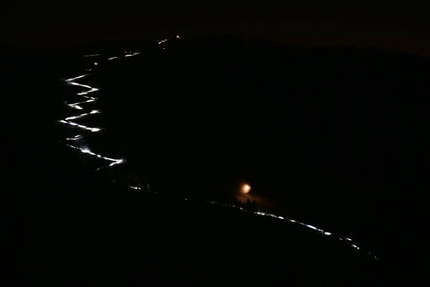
(83, 98)
(88, 95)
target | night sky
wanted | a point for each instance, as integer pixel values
(47, 26)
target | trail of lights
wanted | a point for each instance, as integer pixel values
(78, 105)
(75, 106)
(73, 124)
(320, 231)
(92, 90)
(82, 115)
(165, 40)
(76, 78)
(80, 85)
(132, 54)
(117, 161)
(85, 150)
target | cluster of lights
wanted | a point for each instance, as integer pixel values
(165, 40)
(162, 41)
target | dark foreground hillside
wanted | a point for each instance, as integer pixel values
(337, 136)
(354, 164)
(215, 109)
(90, 233)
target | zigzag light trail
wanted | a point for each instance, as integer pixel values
(118, 161)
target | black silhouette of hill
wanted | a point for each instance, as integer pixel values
(336, 134)
(319, 128)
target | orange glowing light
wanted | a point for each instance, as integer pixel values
(246, 188)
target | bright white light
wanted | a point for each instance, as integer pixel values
(78, 77)
(95, 63)
(75, 106)
(80, 85)
(75, 138)
(76, 117)
(87, 92)
(311, 227)
(80, 126)
(133, 54)
(112, 58)
(82, 115)
(85, 150)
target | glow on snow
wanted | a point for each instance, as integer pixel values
(80, 85)
(114, 161)
(323, 232)
(77, 105)
(85, 150)
(91, 55)
(76, 78)
(73, 124)
(132, 54)
(82, 115)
